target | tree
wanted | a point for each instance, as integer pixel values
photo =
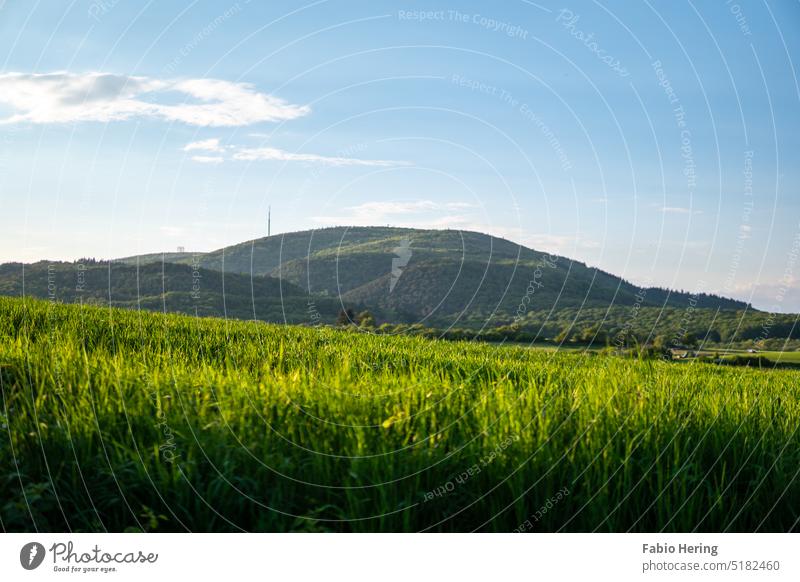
(563, 335)
(365, 319)
(587, 334)
(625, 338)
(593, 335)
(346, 317)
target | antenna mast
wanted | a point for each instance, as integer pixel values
(269, 221)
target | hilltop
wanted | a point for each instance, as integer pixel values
(447, 277)
(437, 278)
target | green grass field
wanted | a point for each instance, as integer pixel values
(120, 420)
(778, 357)
(770, 358)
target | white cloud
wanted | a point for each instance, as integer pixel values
(206, 145)
(382, 209)
(275, 154)
(63, 97)
(208, 159)
(567, 245)
(678, 210)
(780, 295)
(212, 145)
(370, 213)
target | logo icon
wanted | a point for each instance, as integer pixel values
(31, 555)
(402, 256)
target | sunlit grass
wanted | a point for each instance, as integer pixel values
(117, 420)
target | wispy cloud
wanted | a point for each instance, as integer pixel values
(370, 213)
(275, 154)
(212, 145)
(208, 159)
(777, 295)
(745, 231)
(205, 145)
(678, 210)
(63, 97)
(370, 209)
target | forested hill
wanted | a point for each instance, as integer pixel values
(166, 287)
(443, 276)
(439, 278)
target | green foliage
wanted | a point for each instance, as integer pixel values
(169, 288)
(451, 277)
(455, 283)
(365, 319)
(129, 421)
(667, 326)
(689, 339)
(564, 335)
(346, 317)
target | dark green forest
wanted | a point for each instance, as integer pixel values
(450, 284)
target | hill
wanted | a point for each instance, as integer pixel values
(167, 287)
(438, 277)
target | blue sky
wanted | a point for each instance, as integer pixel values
(655, 140)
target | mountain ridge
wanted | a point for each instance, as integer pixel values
(439, 278)
(343, 261)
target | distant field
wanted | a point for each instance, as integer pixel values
(125, 421)
(775, 357)
(783, 357)
(787, 357)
